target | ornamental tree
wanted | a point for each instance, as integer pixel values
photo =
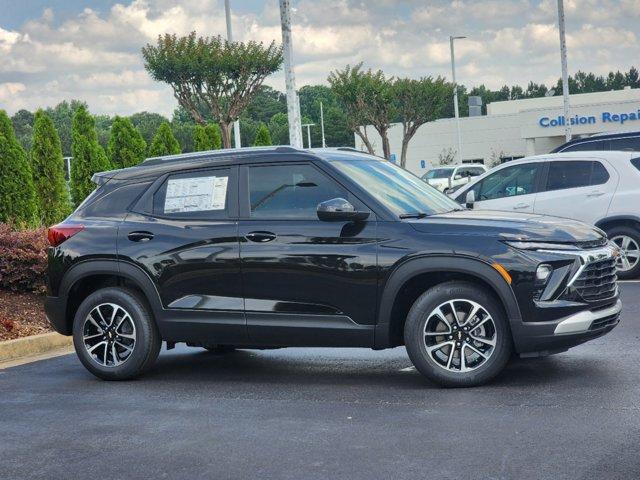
(206, 137)
(164, 143)
(212, 75)
(88, 156)
(126, 145)
(263, 137)
(18, 204)
(418, 102)
(47, 166)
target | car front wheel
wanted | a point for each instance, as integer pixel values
(628, 239)
(457, 335)
(114, 334)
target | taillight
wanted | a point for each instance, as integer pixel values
(61, 233)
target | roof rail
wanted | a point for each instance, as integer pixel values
(218, 153)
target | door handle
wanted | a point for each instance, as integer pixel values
(520, 206)
(140, 236)
(595, 193)
(260, 237)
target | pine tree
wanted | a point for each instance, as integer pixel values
(206, 137)
(164, 143)
(126, 145)
(47, 165)
(88, 155)
(18, 204)
(263, 137)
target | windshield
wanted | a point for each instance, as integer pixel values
(438, 173)
(400, 191)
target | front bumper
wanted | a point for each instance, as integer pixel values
(544, 338)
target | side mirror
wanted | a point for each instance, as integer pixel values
(339, 209)
(457, 176)
(470, 199)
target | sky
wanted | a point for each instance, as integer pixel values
(52, 50)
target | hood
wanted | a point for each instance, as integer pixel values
(438, 182)
(510, 226)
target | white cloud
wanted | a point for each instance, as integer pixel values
(95, 56)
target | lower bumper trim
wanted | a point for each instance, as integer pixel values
(581, 322)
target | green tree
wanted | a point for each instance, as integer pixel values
(279, 128)
(164, 143)
(23, 126)
(62, 116)
(126, 146)
(47, 166)
(147, 124)
(210, 71)
(88, 156)
(418, 102)
(206, 137)
(263, 138)
(18, 203)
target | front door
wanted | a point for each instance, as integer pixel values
(184, 234)
(305, 281)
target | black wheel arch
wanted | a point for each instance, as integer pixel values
(435, 270)
(619, 220)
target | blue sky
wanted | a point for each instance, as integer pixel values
(60, 49)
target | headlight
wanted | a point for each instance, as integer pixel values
(541, 246)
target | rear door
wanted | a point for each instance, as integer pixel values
(306, 281)
(580, 189)
(512, 188)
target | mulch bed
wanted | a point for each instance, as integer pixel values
(21, 315)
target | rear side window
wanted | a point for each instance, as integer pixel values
(581, 173)
(114, 204)
(629, 144)
(585, 146)
(197, 195)
(636, 162)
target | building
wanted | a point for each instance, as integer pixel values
(515, 128)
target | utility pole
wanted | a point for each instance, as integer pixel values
(308, 125)
(324, 144)
(293, 108)
(565, 75)
(455, 96)
(236, 124)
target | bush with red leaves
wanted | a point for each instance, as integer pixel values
(23, 259)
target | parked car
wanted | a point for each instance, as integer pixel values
(599, 188)
(626, 141)
(276, 247)
(447, 178)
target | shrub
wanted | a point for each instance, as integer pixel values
(48, 171)
(88, 155)
(126, 145)
(164, 143)
(18, 202)
(23, 259)
(206, 137)
(263, 137)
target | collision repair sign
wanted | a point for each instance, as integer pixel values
(604, 117)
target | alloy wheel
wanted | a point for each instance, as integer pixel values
(460, 335)
(109, 335)
(629, 252)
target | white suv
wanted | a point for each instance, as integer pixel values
(447, 178)
(600, 188)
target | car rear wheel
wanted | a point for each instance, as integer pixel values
(114, 334)
(628, 239)
(457, 335)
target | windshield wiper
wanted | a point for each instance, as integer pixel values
(412, 215)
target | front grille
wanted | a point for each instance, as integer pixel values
(598, 280)
(605, 322)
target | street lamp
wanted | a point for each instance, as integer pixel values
(293, 106)
(565, 75)
(308, 125)
(455, 95)
(236, 124)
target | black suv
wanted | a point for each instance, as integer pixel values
(266, 248)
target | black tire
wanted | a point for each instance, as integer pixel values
(147, 342)
(414, 335)
(635, 235)
(220, 349)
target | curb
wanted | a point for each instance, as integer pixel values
(33, 345)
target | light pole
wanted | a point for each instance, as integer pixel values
(455, 95)
(308, 125)
(236, 124)
(324, 144)
(565, 75)
(293, 108)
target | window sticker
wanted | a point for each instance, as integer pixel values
(195, 194)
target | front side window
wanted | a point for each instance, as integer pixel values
(575, 174)
(290, 191)
(508, 182)
(400, 191)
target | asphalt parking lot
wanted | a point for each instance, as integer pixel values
(328, 413)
